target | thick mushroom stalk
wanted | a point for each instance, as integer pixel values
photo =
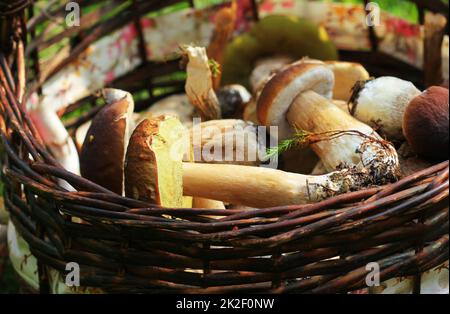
(298, 98)
(341, 141)
(199, 84)
(265, 187)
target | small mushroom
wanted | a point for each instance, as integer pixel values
(282, 89)
(228, 141)
(293, 99)
(235, 184)
(199, 84)
(425, 123)
(233, 99)
(103, 151)
(381, 103)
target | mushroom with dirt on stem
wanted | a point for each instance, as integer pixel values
(199, 83)
(294, 100)
(235, 184)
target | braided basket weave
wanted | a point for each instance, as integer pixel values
(130, 246)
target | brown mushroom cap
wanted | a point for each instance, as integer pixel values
(279, 93)
(425, 123)
(103, 151)
(153, 166)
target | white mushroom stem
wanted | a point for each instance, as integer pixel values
(265, 187)
(57, 139)
(199, 83)
(340, 140)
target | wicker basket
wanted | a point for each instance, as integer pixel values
(130, 246)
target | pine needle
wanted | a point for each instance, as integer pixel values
(299, 139)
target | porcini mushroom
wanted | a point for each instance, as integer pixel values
(153, 169)
(293, 99)
(235, 184)
(199, 84)
(103, 151)
(381, 103)
(425, 123)
(281, 90)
